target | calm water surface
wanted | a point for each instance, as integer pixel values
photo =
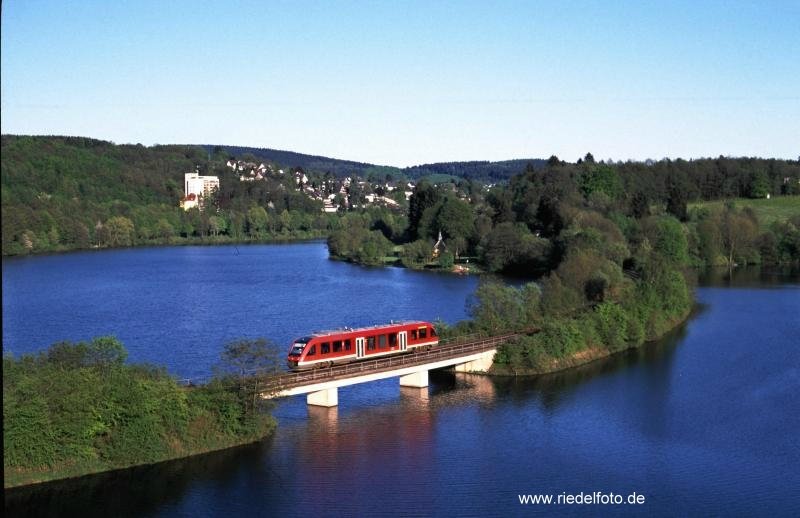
(178, 306)
(701, 423)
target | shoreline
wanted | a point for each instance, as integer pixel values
(67, 475)
(585, 356)
(183, 242)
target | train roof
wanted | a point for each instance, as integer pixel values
(367, 328)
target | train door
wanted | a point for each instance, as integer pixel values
(360, 347)
(402, 337)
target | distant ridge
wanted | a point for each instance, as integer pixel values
(473, 170)
(291, 159)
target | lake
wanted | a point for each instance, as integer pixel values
(178, 306)
(702, 422)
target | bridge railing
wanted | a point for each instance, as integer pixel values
(418, 357)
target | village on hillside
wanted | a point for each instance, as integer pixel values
(335, 194)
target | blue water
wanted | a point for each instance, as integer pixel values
(701, 423)
(179, 306)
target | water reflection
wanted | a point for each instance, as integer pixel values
(655, 358)
(133, 492)
(750, 277)
(414, 395)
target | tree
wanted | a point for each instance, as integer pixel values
(602, 179)
(640, 204)
(495, 307)
(257, 222)
(456, 220)
(739, 231)
(669, 239)
(446, 259)
(251, 361)
(285, 219)
(106, 351)
(677, 198)
(120, 231)
(164, 229)
(759, 185)
(513, 246)
(216, 224)
(373, 248)
(416, 254)
(425, 196)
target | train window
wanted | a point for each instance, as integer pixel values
(312, 351)
(325, 348)
(423, 333)
(337, 346)
(433, 332)
(414, 334)
(392, 339)
(370, 343)
(347, 345)
(382, 341)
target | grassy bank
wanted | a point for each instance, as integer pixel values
(768, 211)
(79, 409)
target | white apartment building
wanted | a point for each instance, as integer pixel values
(196, 187)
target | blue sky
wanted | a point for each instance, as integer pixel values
(403, 83)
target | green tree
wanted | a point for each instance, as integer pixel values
(496, 307)
(456, 220)
(424, 197)
(758, 185)
(416, 254)
(217, 225)
(669, 239)
(677, 198)
(373, 248)
(164, 230)
(512, 246)
(120, 231)
(739, 231)
(252, 361)
(256, 222)
(601, 179)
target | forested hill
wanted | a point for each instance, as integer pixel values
(487, 172)
(35, 169)
(290, 159)
(483, 171)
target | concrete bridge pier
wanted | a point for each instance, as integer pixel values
(327, 397)
(481, 364)
(417, 379)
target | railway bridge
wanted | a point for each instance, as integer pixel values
(321, 385)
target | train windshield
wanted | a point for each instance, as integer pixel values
(299, 345)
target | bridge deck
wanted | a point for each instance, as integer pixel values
(438, 353)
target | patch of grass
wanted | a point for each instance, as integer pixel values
(767, 210)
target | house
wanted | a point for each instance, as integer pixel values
(189, 201)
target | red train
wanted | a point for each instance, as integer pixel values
(327, 348)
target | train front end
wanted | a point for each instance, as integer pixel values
(295, 357)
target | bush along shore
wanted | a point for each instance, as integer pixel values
(78, 409)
